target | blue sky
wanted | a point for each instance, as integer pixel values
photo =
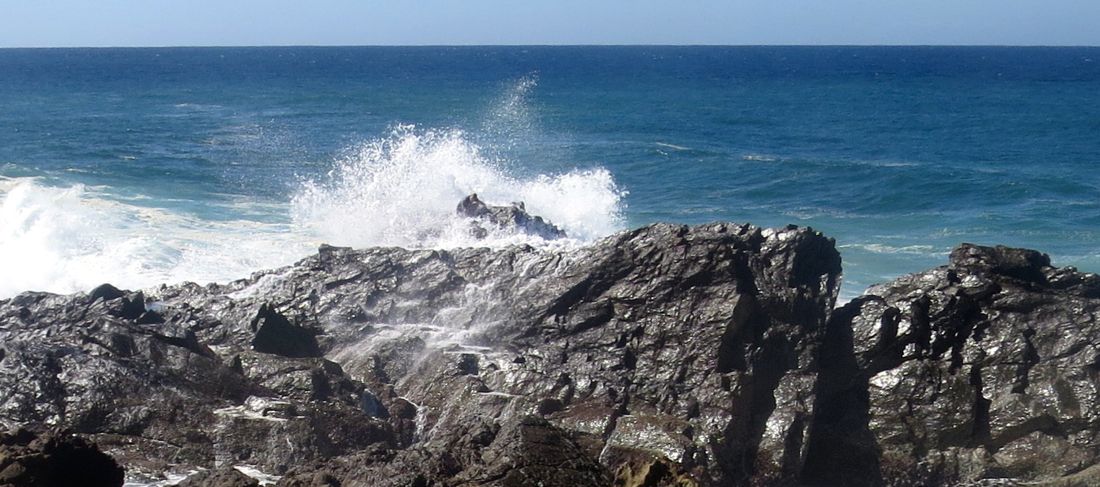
(52, 23)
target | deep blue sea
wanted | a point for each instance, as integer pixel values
(141, 166)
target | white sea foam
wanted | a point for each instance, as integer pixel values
(511, 120)
(67, 239)
(925, 250)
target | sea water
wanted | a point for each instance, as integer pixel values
(142, 166)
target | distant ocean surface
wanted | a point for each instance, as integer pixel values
(142, 166)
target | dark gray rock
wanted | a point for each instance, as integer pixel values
(105, 292)
(29, 459)
(663, 356)
(986, 368)
(154, 395)
(372, 406)
(685, 352)
(531, 451)
(224, 477)
(513, 217)
(275, 334)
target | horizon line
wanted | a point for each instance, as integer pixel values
(249, 46)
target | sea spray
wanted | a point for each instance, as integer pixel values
(398, 189)
(402, 189)
(511, 122)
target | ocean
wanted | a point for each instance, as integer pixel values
(143, 166)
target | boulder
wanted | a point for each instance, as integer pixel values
(223, 477)
(30, 459)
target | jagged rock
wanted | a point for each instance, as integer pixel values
(119, 303)
(512, 217)
(663, 356)
(155, 395)
(29, 459)
(692, 347)
(372, 406)
(670, 325)
(652, 472)
(524, 451)
(987, 368)
(224, 477)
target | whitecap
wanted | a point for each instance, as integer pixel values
(758, 158)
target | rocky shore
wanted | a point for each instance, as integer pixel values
(663, 356)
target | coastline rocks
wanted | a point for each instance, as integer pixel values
(668, 348)
(165, 396)
(663, 356)
(987, 368)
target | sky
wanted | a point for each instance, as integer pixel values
(85, 23)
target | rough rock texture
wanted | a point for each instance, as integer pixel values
(224, 477)
(664, 356)
(986, 368)
(157, 395)
(668, 355)
(513, 217)
(29, 459)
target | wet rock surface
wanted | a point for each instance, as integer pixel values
(666, 345)
(986, 368)
(224, 477)
(663, 356)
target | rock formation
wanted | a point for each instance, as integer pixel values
(668, 347)
(663, 356)
(987, 368)
(513, 218)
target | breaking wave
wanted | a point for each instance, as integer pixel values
(402, 190)
(68, 239)
(399, 189)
